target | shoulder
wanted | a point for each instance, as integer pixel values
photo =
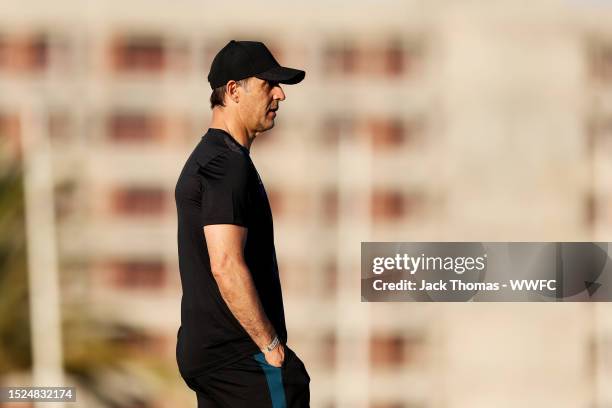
(214, 152)
(226, 164)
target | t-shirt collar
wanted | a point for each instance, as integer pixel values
(228, 138)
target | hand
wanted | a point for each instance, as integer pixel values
(276, 357)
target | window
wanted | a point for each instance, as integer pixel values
(599, 133)
(139, 127)
(390, 205)
(59, 126)
(600, 59)
(330, 204)
(341, 59)
(139, 53)
(393, 57)
(24, 54)
(139, 201)
(4, 52)
(590, 209)
(289, 203)
(337, 127)
(390, 58)
(37, 52)
(396, 350)
(382, 133)
(133, 127)
(65, 198)
(329, 349)
(136, 274)
(386, 350)
(295, 277)
(387, 205)
(10, 145)
(276, 199)
(330, 277)
(386, 133)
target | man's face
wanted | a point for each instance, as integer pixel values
(259, 100)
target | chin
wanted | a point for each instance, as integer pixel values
(267, 126)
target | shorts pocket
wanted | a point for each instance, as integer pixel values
(289, 355)
(261, 359)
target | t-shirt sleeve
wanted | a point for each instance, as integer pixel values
(224, 190)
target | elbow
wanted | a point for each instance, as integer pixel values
(220, 266)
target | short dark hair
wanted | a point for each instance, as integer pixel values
(218, 94)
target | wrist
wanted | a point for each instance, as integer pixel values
(272, 345)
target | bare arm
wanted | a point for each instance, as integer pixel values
(225, 244)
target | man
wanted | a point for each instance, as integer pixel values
(231, 347)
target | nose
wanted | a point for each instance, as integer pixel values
(278, 93)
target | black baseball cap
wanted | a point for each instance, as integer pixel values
(242, 59)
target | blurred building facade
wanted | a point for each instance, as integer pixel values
(419, 121)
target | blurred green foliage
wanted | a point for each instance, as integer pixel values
(91, 346)
(15, 352)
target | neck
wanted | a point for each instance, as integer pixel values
(224, 121)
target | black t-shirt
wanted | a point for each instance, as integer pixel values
(220, 185)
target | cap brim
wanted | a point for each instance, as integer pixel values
(283, 75)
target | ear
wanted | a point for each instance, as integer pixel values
(231, 91)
